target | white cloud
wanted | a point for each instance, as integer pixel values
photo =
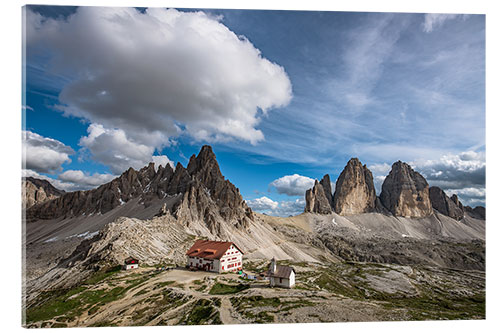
(262, 204)
(275, 208)
(380, 168)
(72, 180)
(78, 177)
(31, 173)
(292, 185)
(162, 160)
(470, 196)
(433, 21)
(289, 208)
(455, 170)
(44, 154)
(112, 147)
(159, 73)
(469, 192)
(379, 171)
(397, 151)
(377, 182)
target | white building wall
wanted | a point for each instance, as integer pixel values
(131, 266)
(286, 283)
(201, 262)
(232, 257)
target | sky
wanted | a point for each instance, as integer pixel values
(283, 97)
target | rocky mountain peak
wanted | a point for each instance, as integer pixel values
(205, 172)
(205, 160)
(199, 192)
(327, 187)
(451, 207)
(456, 201)
(405, 192)
(150, 170)
(478, 212)
(36, 191)
(206, 154)
(319, 198)
(354, 190)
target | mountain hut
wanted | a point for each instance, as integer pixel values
(214, 256)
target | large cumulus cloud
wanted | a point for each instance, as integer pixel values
(112, 147)
(158, 73)
(292, 185)
(262, 204)
(44, 154)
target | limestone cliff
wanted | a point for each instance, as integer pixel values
(405, 192)
(354, 190)
(319, 198)
(451, 207)
(200, 188)
(36, 191)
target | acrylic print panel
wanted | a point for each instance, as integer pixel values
(206, 166)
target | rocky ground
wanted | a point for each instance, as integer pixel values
(368, 267)
(325, 292)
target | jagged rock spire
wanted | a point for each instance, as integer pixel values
(327, 187)
(210, 197)
(405, 192)
(202, 191)
(354, 190)
(451, 207)
(317, 199)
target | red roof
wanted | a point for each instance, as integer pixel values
(209, 249)
(131, 260)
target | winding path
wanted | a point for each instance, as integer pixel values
(225, 311)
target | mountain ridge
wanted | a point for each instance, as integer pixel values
(405, 193)
(149, 185)
(36, 191)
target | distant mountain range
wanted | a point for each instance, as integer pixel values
(405, 193)
(200, 190)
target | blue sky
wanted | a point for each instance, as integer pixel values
(283, 97)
